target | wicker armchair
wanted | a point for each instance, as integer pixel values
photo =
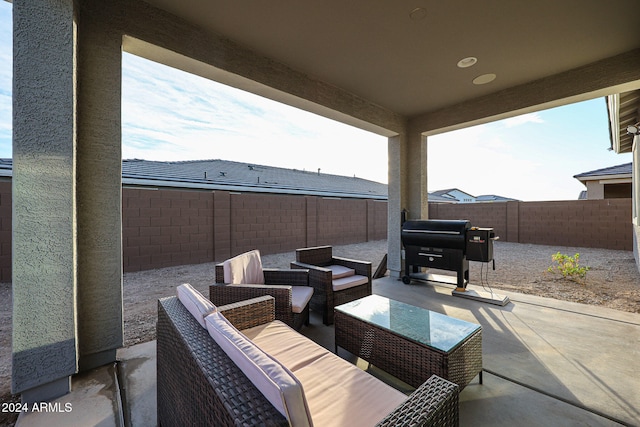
(327, 293)
(279, 283)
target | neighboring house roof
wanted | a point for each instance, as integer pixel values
(494, 198)
(236, 176)
(448, 196)
(442, 198)
(451, 193)
(623, 171)
(224, 174)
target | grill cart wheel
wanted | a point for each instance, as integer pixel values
(406, 280)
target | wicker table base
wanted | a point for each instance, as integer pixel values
(408, 359)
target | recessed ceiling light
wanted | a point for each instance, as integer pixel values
(484, 79)
(418, 13)
(467, 62)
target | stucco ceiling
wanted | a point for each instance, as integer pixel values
(374, 49)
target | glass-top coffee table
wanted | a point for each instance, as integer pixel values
(408, 342)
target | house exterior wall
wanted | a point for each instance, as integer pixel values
(584, 223)
(595, 190)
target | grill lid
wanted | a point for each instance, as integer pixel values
(447, 234)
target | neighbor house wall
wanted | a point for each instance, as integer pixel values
(583, 223)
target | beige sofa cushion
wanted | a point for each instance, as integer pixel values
(337, 392)
(290, 348)
(245, 268)
(349, 282)
(275, 381)
(199, 306)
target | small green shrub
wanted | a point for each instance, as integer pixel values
(569, 267)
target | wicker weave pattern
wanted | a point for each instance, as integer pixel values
(197, 383)
(278, 285)
(408, 360)
(324, 299)
(438, 400)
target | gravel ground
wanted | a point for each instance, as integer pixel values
(613, 281)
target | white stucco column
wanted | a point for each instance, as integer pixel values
(414, 174)
(394, 205)
(635, 180)
(635, 199)
(407, 191)
(44, 344)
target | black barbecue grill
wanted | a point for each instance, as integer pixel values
(445, 245)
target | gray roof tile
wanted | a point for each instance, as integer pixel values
(251, 176)
(624, 169)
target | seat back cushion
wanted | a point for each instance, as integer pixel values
(199, 306)
(245, 268)
(281, 388)
(340, 271)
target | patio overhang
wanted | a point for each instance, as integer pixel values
(386, 67)
(624, 111)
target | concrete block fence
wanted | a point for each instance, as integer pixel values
(162, 228)
(603, 224)
(168, 227)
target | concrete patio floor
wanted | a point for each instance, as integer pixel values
(546, 363)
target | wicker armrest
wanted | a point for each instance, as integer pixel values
(219, 268)
(249, 313)
(221, 294)
(319, 277)
(434, 403)
(278, 276)
(197, 383)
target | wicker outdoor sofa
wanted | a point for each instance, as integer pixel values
(199, 385)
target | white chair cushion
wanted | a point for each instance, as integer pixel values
(274, 381)
(340, 271)
(300, 296)
(245, 268)
(199, 306)
(349, 282)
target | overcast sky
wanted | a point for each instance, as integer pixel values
(171, 115)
